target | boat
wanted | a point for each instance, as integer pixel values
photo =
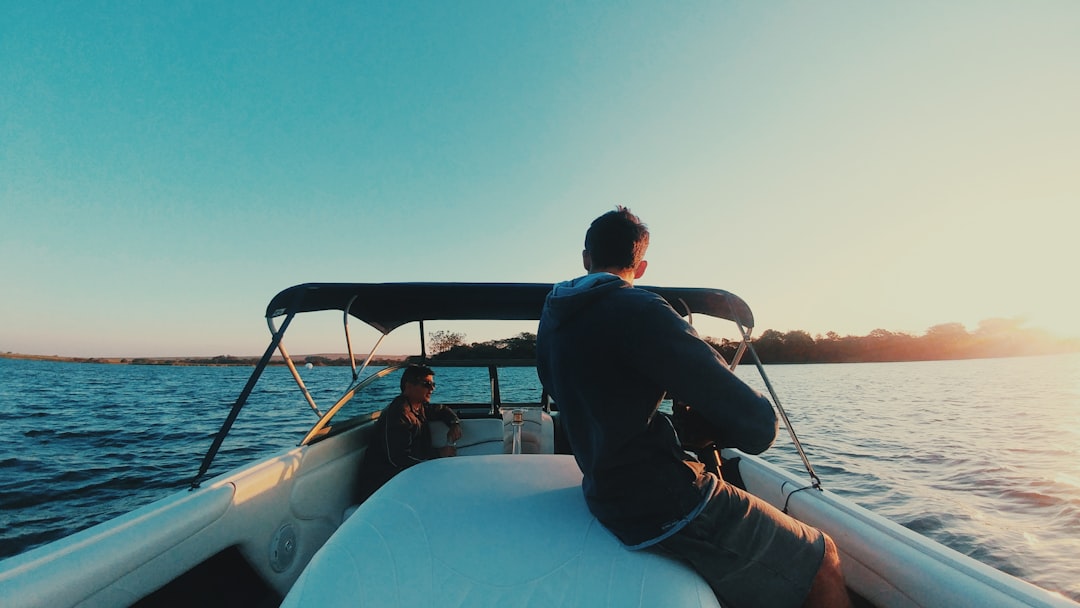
(504, 523)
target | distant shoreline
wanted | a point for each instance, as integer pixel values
(995, 339)
(330, 360)
(215, 361)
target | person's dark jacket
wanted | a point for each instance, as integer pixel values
(400, 439)
(608, 353)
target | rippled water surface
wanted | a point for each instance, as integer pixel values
(982, 456)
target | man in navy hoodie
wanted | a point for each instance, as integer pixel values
(608, 353)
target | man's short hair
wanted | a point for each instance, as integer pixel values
(617, 239)
(415, 373)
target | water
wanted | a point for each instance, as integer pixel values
(982, 456)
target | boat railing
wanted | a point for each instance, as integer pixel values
(320, 429)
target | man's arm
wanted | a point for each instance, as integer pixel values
(449, 416)
(670, 351)
(443, 414)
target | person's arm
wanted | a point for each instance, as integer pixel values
(669, 349)
(447, 415)
(442, 413)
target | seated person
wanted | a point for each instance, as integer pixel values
(401, 437)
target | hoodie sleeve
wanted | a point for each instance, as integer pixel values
(668, 349)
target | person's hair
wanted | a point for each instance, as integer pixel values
(617, 239)
(415, 373)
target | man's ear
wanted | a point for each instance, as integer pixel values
(639, 271)
(586, 260)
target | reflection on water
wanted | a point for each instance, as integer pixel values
(983, 455)
(969, 453)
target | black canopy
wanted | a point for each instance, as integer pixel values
(387, 306)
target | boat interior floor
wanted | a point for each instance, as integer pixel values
(226, 579)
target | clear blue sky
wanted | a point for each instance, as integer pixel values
(167, 167)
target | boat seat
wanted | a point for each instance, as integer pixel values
(478, 436)
(495, 436)
(537, 431)
(496, 530)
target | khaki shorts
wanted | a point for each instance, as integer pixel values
(749, 552)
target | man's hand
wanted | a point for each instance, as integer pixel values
(452, 436)
(695, 432)
(454, 433)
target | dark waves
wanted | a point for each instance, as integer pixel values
(85, 443)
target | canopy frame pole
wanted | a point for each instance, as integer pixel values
(348, 344)
(745, 334)
(348, 338)
(815, 482)
(371, 355)
(275, 340)
(740, 351)
(296, 375)
(496, 396)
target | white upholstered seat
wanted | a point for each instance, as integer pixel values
(496, 435)
(537, 431)
(499, 530)
(479, 436)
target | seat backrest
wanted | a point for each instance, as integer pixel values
(499, 530)
(537, 431)
(478, 436)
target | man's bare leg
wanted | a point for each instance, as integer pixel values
(828, 589)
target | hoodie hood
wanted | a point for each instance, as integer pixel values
(569, 297)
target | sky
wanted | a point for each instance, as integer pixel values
(167, 167)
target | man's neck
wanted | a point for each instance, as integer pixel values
(626, 274)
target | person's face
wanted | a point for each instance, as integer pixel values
(421, 389)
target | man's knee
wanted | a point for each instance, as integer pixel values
(832, 555)
(828, 589)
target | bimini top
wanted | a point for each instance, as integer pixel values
(387, 306)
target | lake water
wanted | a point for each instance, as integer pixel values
(982, 455)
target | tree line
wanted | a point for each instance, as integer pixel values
(993, 338)
(451, 346)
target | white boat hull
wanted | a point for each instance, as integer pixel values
(889, 565)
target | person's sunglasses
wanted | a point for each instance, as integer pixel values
(426, 384)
